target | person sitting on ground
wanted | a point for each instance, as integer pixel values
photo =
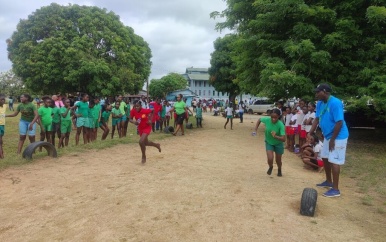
(311, 153)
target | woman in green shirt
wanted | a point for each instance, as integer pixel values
(180, 109)
(274, 139)
(27, 124)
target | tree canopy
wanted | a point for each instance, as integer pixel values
(11, 85)
(78, 49)
(286, 47)
(222, 70)
(171, 82)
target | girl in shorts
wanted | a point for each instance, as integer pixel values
(116, 121)
(143, 118)
(65, 123)
(27, 124)
(229, 112)
(82, 120)
(274, 139)
(45, 120)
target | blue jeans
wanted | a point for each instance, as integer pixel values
(241, 116)
(24, 128)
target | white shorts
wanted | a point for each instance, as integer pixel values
(338, 155)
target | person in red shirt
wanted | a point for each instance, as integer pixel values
(143, 120)
(157, 107)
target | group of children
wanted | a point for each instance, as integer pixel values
(58, 119)
(298, 122)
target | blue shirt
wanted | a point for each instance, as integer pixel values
(329, 114)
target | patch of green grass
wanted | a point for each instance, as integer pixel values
(11, 139)
(381, 210)
(314, 222)
(367, 200)
(366, 162)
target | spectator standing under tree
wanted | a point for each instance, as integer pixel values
(329, 115)
(241, 111)
(10, 103)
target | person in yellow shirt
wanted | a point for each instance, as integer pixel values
(2, 123)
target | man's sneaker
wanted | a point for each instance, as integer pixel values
(332, 193)
(324, 184)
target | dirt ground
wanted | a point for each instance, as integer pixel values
(209, 185)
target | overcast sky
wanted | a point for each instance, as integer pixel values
(180, 32)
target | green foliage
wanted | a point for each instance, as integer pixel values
(78, 48)
(222, 67)
(171, 82)
(286, 47)
(11, 85)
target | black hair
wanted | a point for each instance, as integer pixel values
(276, 111)
(83, 95)
(91, 102)
(312, 104)
(316, 138)
(27, 96)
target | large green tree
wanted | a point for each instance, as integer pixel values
(171, 82)
(78, 48)
(11, 85)
(222, 66)
(286, 47)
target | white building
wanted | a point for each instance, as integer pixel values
(198, 82)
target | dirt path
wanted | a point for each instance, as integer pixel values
(209, 185)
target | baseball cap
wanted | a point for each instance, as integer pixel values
(323, 87)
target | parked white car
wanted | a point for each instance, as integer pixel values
(261, 106)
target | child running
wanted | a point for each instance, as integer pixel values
(27, 124)
(45, 114)
(229, 111)
(143, 119)
(65, 123)
(103, 124)
(2, 123)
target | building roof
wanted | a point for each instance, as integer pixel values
(191, 69)
(201, 77)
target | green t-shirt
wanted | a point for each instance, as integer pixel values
(82, 109)
(278, 127)
(27, 111)
(45, 115)
(116, 112)
(180, 107)
(128, 109)
(56, 117)
(63, 110)
(198, 112)
(91, 113)
(106, 116)
(163, 111)
(97, 109)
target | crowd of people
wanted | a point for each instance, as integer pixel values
(58, 116)
(320, 150)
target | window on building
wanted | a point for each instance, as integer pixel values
(214, 93)
(204, 83)
(199, 83)
(199, 92)
(195, 83)
(204, 92)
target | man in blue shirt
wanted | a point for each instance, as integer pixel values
(329, 116)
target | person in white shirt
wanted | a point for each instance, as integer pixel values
(229, 112)
(310, 117)
(293, 130)
(312, 153)
(287, 119)
(168, 114)
(302, 129)
(241, 111)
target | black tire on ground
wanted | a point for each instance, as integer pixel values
(29, 151)
(308, 202)
(189, 125)
(169, 129)
(250, 111)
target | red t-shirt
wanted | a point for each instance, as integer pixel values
(157, 111)
(141, 117)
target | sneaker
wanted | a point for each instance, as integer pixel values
(324, 184)
(332, 193)
(279, 173)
